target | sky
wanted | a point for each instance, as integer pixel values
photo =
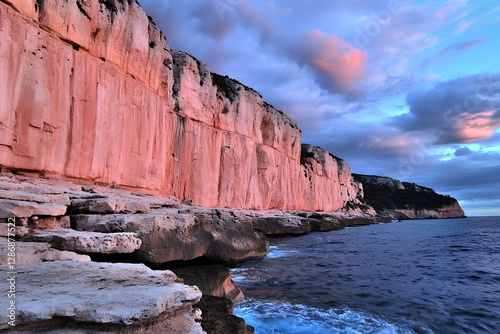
(407, 89)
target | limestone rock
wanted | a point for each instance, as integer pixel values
(296, 223)
(20, 231)
(33, 197)
(22, 209)
(218, 317)
(96, 297)
(57, 255)
(276, 224)
(34, 252)
(214, 280)
(49, 222)
(108, 205)
(26, 252)
(89, 242)
(450, 211)
(169, 236)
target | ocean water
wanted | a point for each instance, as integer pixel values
(420, 276)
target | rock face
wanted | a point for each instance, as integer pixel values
(89, 297)
(92, 91)
(403, 200)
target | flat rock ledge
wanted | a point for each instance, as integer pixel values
(34, 252)
(90, 242)
(90, 297)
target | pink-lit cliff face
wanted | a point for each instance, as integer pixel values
(93, 92)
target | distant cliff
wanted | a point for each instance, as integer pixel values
(92, 91)
(403, 200)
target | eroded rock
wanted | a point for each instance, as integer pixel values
(108, 205)
(214, 280)
(23, 209)
(34, 252)
(218, 317)
(89, 242)
(169, 236)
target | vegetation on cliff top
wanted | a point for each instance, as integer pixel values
(383, 197)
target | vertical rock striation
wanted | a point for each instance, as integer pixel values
(92, 91)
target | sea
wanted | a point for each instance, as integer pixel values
(415, 276)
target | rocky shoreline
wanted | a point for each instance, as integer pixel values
(101, 236)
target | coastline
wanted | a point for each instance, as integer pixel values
(59, 221)
(131, 172)
(162, 233)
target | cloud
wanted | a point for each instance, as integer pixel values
(339, 67)
(462, 47)
(452, 51)
(462, 152)
(461, 110)
(463, 26)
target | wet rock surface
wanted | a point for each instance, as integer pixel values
(218, 317)
(214, 280)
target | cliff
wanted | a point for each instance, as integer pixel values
(403, 200)
(92, 91)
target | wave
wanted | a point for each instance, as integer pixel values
(287, 318)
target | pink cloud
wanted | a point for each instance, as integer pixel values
(340, 65)
(479, 126)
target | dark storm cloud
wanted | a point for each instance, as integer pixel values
(462, 110)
